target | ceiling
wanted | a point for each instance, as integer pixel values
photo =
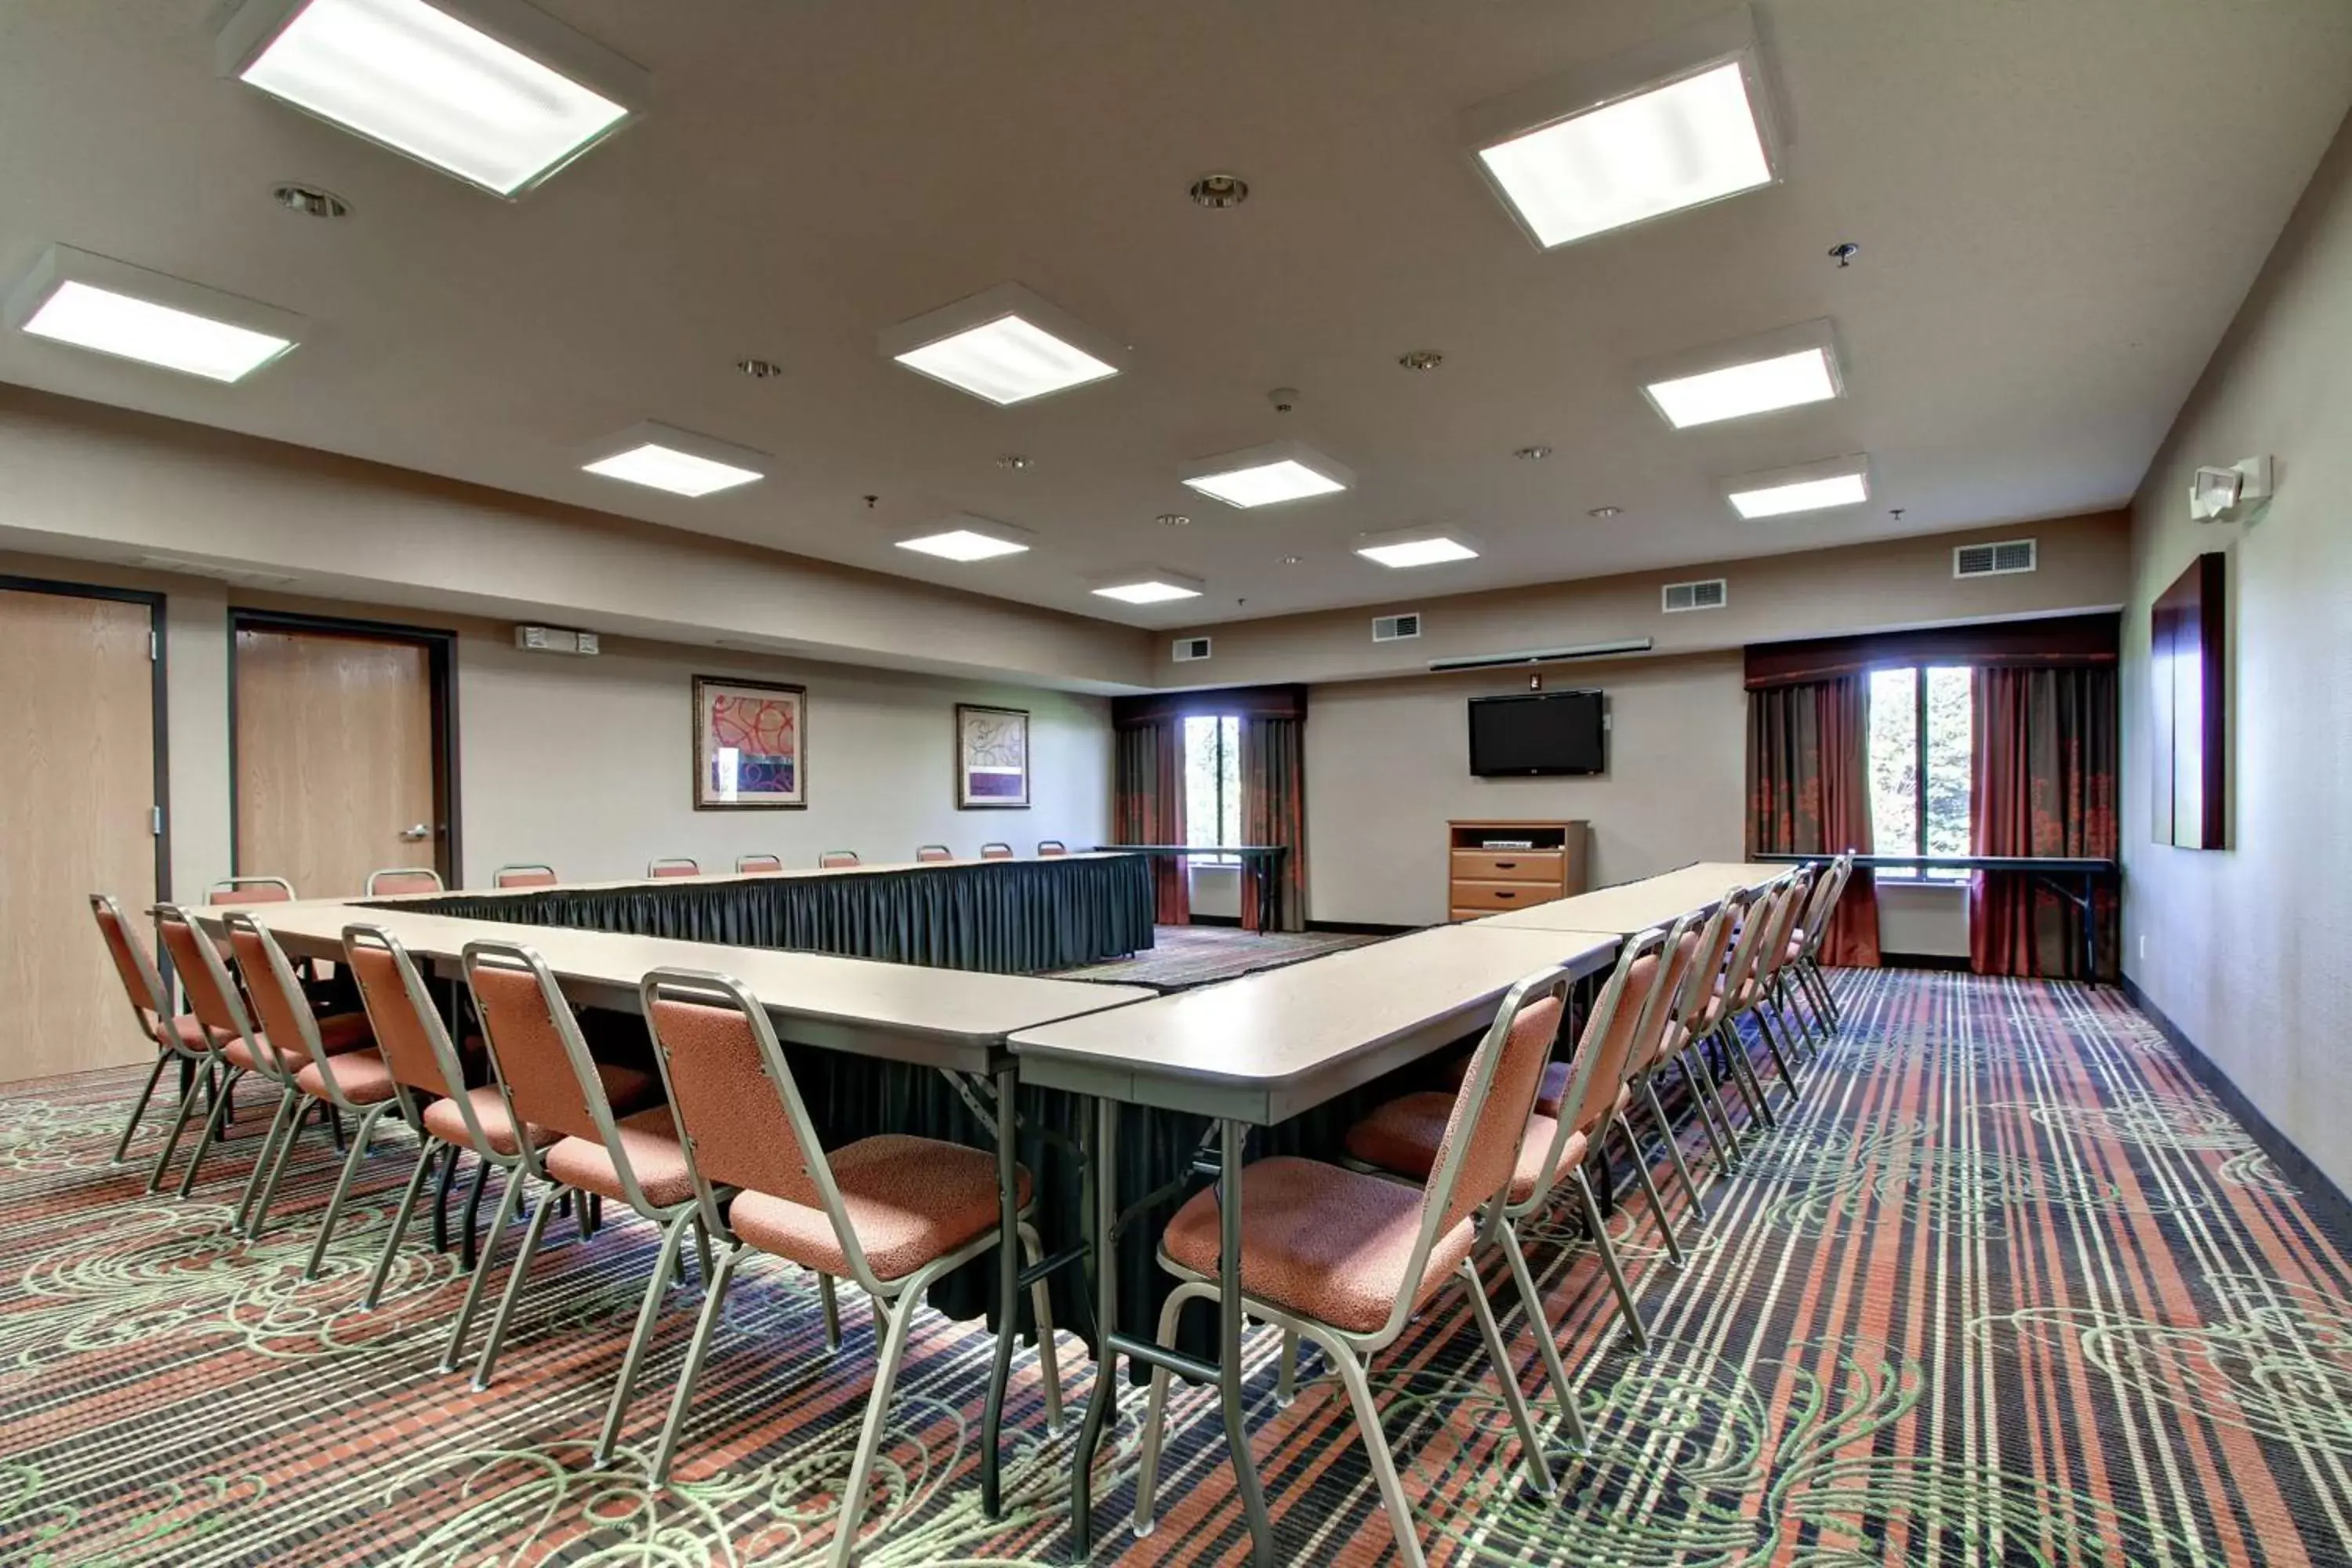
(2059, 208)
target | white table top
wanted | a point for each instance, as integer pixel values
(898, 1010)
(1632, 907)
(1266, 1047)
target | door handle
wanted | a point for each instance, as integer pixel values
(413, 834)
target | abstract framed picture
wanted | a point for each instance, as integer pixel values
(991, 758)
(751, 745)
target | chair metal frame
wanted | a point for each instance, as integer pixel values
(154, 1015)
(234, 888)
(1690, 1023)
(669, 866)
(1765, 919)
(933, 854)
(766, 865)
(1351, 1351)
(1829, 891)
(1655, 1041)
(287, 1125)
(996, 850)
(390, 872)
(234, 1024)
(1049, 847)
(498, 879)
(896, 1300)
(833, 860)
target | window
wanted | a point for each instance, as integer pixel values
(1213, 785)
(1919, 762)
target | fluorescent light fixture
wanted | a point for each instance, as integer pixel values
(1784, 369)
(1150, 586)
(1004, 345)
(496, 92)
(1672, 124)
(1416, 547)
(1267, 475)
(679, 462)
(967, 539)
(71, 295)
(1810, 487)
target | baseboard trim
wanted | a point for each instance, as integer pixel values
(1361, 928)
(2293, 1164)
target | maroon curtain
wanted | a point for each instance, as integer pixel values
(1808, 793)
(1273, 811)
(2047, 744)
(1148, 807)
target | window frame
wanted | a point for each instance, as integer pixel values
(1222, 726)
(1922, 876)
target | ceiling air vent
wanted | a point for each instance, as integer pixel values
(1396, 628)
(1711, 594)
(1187, 649)
(2003, 560)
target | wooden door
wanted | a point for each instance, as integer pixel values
(76, 817)
(334, 758)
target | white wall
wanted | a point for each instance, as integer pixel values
(2245, 949)
(1388, 764)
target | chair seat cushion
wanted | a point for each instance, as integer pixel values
(446, 1122)
(189, 1031)
(338, 1033)
(364, 1077)
(1319, 1240)
(910, 1201)
(1403, 1136)
(649, 1139)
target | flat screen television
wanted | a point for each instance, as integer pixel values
(1542, 732)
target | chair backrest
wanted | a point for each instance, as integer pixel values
(1480, 1151)
(1757, 913)
(673, 866)
(929, 853)
(401, 879)
(759, 865)
(542, 1065)
(233, 890)
(833, 858)
(1796, 896)
(212, 995)
(406, 1023)
(287, 1021)
(524, 877)
(140, 982)
(1657, 1032)
(1597, 1070)
(1827, 893)
(1700, 1006)
(996, 851)
(737, 1102)
(1048, 848)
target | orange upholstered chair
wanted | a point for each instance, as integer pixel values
(673, 866)
(890, 1214)
(233, 890)
(996, 851)
(833, 859)
(1346, 1259)
(930, 854)
(399, 880)
(759, 865)
(1049, 847)
(524, 877)
(180, 1037)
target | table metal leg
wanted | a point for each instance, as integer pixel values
(1102, 1205)
(1008, 1293)
(1229, 1340)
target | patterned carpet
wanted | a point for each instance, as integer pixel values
(2008, 1288)
(1189, 955)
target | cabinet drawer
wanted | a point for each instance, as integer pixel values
(1473, 895)
(1507, 866)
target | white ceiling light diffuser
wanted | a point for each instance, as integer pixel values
(1267, 475)
(496, 92)
(970, 539)
(1416, 547)
(1148, 586)
(1672, 124)
(1784, 369)
(71, 295)
(1809, 486)
(664, 457)
(1003, 346)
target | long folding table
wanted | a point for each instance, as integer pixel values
(1250, 1053)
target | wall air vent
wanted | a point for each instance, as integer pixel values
(1711, 594)
(555, 640)
(1396, 628)
(1187, 649)
(2005, 558)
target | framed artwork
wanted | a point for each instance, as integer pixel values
(2187, 714)
(751, 745)
(991, 758)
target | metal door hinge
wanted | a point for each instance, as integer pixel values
(155, 820)
(155, 647)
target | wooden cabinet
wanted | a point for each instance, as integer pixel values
(1497, 866)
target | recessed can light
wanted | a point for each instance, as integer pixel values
(1220, 191)
(1013, 460)
(1292, 560)
(310, 201)
(759, 369)
(1532, 454)
(1421, 359)
(1605, 512)
(1173, 520)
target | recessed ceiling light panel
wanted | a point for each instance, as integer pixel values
(968, 539)
(496, 92)
(1005, 346)
(1784, 369)
(1416, 547)
(1675, 124)
(664, 457)
(71, 295)
(1268, 475)
(1809, 486)
(1148, 586)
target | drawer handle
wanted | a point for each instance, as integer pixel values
(1507, 865)
(1505, 893)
